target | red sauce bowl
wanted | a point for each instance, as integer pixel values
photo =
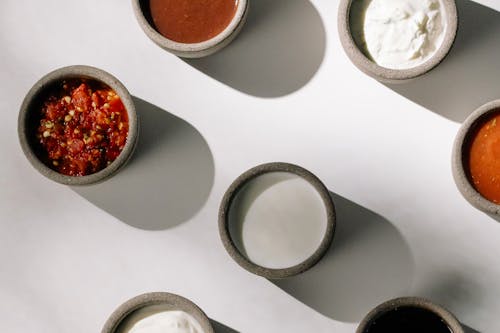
(204, 48)
(30, 118)
(460, 159)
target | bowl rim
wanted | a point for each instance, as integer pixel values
(237, 185)
(71, 72)
(460, 148)
(156, 298)
(389, 75)
(191, 49)
(418, 302)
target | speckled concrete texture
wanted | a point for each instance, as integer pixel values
(238, 184)
(388, 75)
(194, 50)
(32, 102)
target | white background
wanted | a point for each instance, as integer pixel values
(283, 91)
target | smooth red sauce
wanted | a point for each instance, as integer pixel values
(484, 158)
(192, 21)
(83, 127)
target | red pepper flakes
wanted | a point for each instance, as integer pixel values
(83, 127)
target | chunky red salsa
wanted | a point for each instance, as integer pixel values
(83, 127)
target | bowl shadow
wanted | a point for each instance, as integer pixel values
(467, 329)
(221, 328)
(280, 48)
(369, 262)
(168, 179)
(468, 77)
(457, 293)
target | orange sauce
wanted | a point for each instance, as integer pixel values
(484, 158)
(192, 21)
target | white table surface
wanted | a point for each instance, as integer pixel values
(69, 257)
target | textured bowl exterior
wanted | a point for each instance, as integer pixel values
(238, 184)
(75, 72)
(171, 301)
(417, 302)
(194, 50)
(387, 75)
(459, 169)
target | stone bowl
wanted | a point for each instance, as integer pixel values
(159, 301)
(460, 171)
(191, 50)
(224, 221)
(26, 123)
(416, 302)
(387, 75)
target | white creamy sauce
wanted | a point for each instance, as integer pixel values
(163, 322)
(398, 34)
(278, 220)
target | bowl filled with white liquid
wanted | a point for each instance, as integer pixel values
(158, 312)
(277, 220)
(397, 40)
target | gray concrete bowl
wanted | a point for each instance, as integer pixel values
(387, 75)
(224, 220)
(28, 117)
(460, 151)
(161, 302)
(191, 50)
(417, 302)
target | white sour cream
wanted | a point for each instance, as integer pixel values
(278, 220)
(398, 34)
(164, 322)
